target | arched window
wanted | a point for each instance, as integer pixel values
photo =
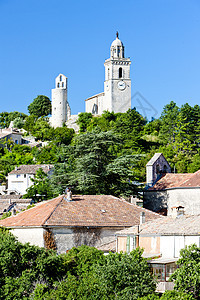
(108, 73)
(62, 84)
(60, 77)
(120, 72)
(58, 85)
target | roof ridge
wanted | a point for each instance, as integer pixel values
(53, 209)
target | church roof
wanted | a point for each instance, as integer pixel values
(84, 211)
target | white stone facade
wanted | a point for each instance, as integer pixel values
(34, 235)
(19, 183)
(60, 107)
(117, 85)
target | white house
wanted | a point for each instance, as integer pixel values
(20, 178)
(162, 239)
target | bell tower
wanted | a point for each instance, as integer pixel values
(60, 106)
(117, 84)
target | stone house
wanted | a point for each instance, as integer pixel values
(85, 219)
(19, 180)
(173, 192)
(167, 192)
(10, 134)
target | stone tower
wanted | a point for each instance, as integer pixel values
(60, 106)
(117, 84)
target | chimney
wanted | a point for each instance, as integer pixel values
(68, 195)
(142, 217)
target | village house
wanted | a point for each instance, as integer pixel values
(81, 220)
(11, 134)
(166, 192)
(19, 180)
(161, 239)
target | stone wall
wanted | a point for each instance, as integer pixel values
(66, 238)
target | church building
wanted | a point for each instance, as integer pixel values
(116, 96)
(117, 85)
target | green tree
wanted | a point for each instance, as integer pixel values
(187, 276)
(83, 121)
(169, 123)
(97, 169)
(23, 266)
(41, 106)
(124, 276)
(18, 122)
(40, 190)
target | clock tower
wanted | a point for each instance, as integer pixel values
(117, 84)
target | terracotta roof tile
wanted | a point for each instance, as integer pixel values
(170, 180)
(84, 210)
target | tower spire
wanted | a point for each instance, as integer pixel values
(117, 34)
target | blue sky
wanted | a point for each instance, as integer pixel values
(40, 39)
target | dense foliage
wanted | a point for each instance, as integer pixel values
(41, 106)
(30, 272)
(110, 152)
(187, 276)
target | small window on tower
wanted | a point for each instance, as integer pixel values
(120, 72)
(108, 73)
(60, 77)
(58, 85)
(62, 84)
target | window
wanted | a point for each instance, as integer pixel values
(120, 72)
(58, 85)
(108, 73)
(157, 169)
(17, 176)
(16, 141)
(24, 175)
(62, 84)
(60, 77)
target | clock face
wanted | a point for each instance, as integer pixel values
(121, 85)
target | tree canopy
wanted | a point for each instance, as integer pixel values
(41, 106)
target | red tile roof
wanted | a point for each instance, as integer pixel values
(84, 210)
(170, 180)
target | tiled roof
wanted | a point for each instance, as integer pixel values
(170, 226)
(170, 180)
(84, 210)
(184, 225)
(31, 169)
